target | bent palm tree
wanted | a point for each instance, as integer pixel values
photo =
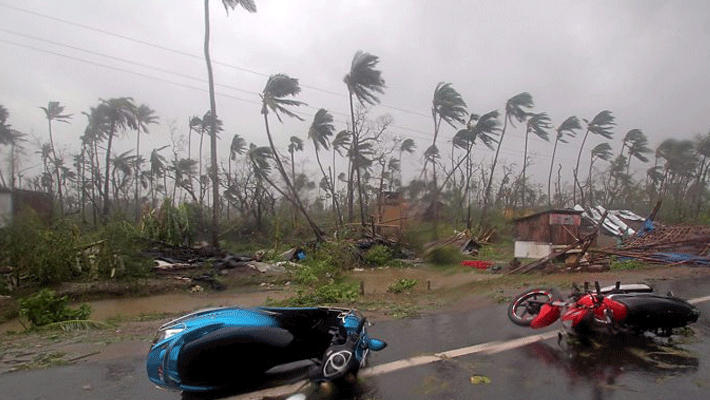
(447, 106)
(274, 99)
(319, 132)
(120, 114)
(144, 117)
(514, 110)
(537, 124)
(250, 6)
(601, 151)
(567, 128)
(478, 127)
(637, 143)
(363, 81)
(53, 112)
(601, 125)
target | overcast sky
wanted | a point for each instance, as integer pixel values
(646, 61)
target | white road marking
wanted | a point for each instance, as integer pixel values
(485, 348)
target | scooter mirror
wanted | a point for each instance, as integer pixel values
(376, 344)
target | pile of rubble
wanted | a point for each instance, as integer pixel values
(664, 244)
(652, 243)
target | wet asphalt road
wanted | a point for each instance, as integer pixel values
(546, 369)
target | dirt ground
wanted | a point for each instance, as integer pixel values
(437, 291)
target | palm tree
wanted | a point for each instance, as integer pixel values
(447, 106)
(53, 112)
(157, 169)
(208, 125)
(144, 117)
(478, 127)
(601, 125)
(681, 163)
(514, 110)
(8, 136)
(637, 143)
(273, 98)
(601, 151)
(120, 114)
(340, 145)
(567, 128)
(295, 144)
(537, 124)
(250, 6)
(237, 147)
(407, 146)
(319, 132)
(363, 81)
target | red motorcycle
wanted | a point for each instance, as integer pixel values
(629, 308)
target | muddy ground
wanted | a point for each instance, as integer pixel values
(437, 291)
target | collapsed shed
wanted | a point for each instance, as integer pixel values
(540, 234)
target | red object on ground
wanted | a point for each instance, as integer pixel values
(476, 264)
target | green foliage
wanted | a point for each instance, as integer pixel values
(44, 253)
(443, 255)
(113, 252)
(378, 255)
(627, 264)
(402, 285)
(320, 276)
(168, 224)
(340, 292)
(45, 307)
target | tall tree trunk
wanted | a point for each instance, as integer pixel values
(356, 147)
(107, 167)
(525, 165)
(549, 176)
(137, 172)
(294, 195)
(576, 173)
(213, 131)
(487, 194)
(56, 169)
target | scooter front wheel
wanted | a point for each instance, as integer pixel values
(526, 306)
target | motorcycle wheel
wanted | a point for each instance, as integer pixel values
(526, 306)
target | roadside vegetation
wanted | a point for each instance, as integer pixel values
(106, 208)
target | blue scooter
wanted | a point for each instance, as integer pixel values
(235, 347)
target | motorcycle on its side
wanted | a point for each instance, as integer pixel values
(617, 309)
(233, 347)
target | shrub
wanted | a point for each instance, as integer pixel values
(341, 292)
(46, 307)
(43, 253)
(402, 285)
(625, 264)
(378, 255)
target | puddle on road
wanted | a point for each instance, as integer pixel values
(603, 364)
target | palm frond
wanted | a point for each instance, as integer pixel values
(516, 105)
(363, 80)
(602, 151)
(321, 128)
(448, 104)
(408, 145)
(568, 127)
(277, 87)
(248, 5)
(539, 124)
(602, 124)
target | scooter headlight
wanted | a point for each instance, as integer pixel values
(167, 332)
